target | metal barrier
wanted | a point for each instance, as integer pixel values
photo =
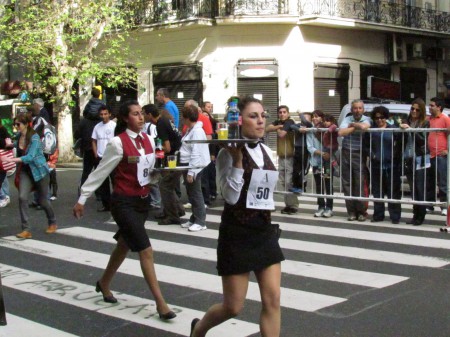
(376, 175)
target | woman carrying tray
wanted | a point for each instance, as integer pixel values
(131, 154)
(247, 239)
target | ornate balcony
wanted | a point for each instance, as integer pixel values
(147, 12)
(254, 7)
(378, 11)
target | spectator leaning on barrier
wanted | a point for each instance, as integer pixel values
(353, 161)
(285, 152)
(301, 153)
(385, 169)
(416, 147)
(319, 156)
(437, 142)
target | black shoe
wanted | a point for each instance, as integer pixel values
(167, 221)
(181, 213)
(418, 222)
(375, 220)
(289, 210)
(193, 323)
(395, 222)
(160, 216)
(107, 299)
(167, 316)
(411, 222)
(103, 209)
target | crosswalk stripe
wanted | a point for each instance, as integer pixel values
(356, 234)
(343, 275)
(323, 248)
(290, 298)
(20, 327)
(131, 308)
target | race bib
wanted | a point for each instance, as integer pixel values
(260, 190)
(144, 167)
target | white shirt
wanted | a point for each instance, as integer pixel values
(111, 158)
(231, 178)
(194, 154)
(103, 133)
(150, 129)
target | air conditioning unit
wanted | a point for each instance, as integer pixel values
(397, 48)
(436, 54)
(414, 51)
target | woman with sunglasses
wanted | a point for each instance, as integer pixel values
(385, 169)
(32, 173)
(416, 146)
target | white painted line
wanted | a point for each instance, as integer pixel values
(359, 235)
(335, 274)
(328, 249)
(20, 327)
(290, 298)
(130, 308)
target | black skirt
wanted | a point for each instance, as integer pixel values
(130, 214)
(241, 250)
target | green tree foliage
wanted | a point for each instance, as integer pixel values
(59, 41)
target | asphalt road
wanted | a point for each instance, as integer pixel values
(340, 278)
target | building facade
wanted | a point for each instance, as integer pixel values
(307, 54)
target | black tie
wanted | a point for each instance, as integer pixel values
(139, 142)
(253, 145)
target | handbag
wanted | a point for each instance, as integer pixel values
(6, 166)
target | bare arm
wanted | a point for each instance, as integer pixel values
(271, 128)
(166, 146)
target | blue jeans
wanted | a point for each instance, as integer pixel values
(26, 184)
(438, 175)
(2, 179)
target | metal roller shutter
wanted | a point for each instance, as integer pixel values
(268, 88)
(331, 87)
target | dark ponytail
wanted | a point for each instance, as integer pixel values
(124, 110)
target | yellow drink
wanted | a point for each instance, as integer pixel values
(172, 163)
(222, 134)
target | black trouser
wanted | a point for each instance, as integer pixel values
(323, 186)
(53, 184)
(418, 181)
(386, 181)
(301, 164)
(354, 180)
(88, 165)
(105, 190)
(209, 187)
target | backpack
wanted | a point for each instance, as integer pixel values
(49, 139)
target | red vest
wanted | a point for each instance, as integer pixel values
(125, 178)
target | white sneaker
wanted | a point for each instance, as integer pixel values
(328, 213)
(53, 198)
(444, 212)
(187, 205)
(196, 227)
(187, 224)
(319, 213)
(3, 203)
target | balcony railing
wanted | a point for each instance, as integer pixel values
(162, 11)
(379, 11)
(385, 12)
(254, 7)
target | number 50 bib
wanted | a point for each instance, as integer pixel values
(260, 190)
